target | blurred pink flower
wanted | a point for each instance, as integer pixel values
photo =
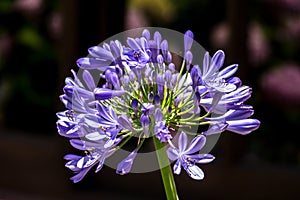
(281, 84)
(55, 25)
(220, 36)
(29, 7)
(134, 18)
(258, 46)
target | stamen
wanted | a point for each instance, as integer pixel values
(136, 55)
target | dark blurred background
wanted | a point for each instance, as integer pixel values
(41, 40)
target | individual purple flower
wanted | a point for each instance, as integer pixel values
(187, 158)
(80, 165)
(138, 53)
(214, 79)
(125, 165)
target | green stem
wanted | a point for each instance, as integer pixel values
(165, 170)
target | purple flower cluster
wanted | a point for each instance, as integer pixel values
(144, 96)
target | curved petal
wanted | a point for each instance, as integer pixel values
(157, 37)
(78, 144)
(235, 80)
(182, 142)
(243, 126)
(104, 93)
(125, 123)
(133, 44)
(146, 34)
(100, 165)
(201, 158)
(92, 121)
(67, 129)
(217, 60)
(240, 114)
(205, 63)
(158, 115)
(125, 165)
(115, 50)
(78, 177)
(216, 63)
(216, 128)
(196, 145)
(188, 40)
(95, 136)
(72, 157)
(194, 172)
(172, 153)
(92, 63)
(89, 80)
(97, 51)
(177, 167)
(228, 71)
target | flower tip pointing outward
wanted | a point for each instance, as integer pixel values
(125, 165)
(103, 93)
(188, 40)
(243, 126)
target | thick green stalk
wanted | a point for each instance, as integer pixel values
(165, 170)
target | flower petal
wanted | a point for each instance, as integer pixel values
(125, 123)
(158, 115)
(243, 126)
(93, 63)
(125, 165)
(205, 63)
(216, 128)
(177, 167)
(89, 80)
(217, 61)
(228, 71)
(78, 177)
(104, 93)
(172, 153)
(194, 172)
(182, 142)
(72, 157)
(188, 40)
(201, 158)
(97, 51)
(95, 136)
(196, 144)
(78, 144)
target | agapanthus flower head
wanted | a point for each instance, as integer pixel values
(145, 97)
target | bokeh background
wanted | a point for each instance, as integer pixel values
(40, 41)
